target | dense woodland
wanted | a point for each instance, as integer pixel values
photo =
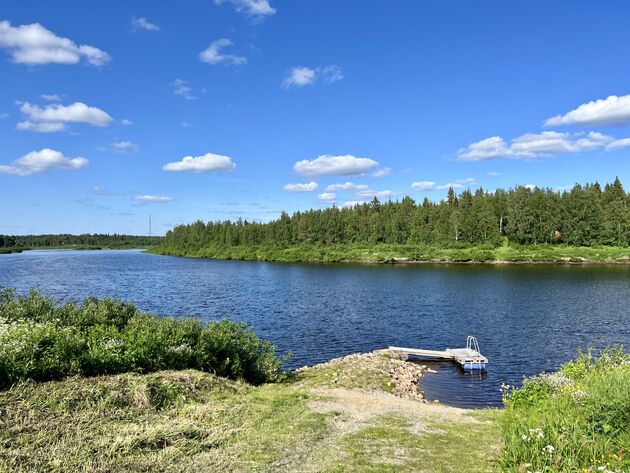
(86, 240)
(586, 215)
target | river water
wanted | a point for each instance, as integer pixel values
(527, 318)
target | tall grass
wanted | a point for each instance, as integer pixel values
(575, 420)
(41, 339)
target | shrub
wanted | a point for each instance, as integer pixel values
(575, 420)
(41, 339)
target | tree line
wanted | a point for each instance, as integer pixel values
(92, 240)
(586, 215)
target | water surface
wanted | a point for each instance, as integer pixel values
(527, 318)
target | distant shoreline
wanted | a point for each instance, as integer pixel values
(412, 255)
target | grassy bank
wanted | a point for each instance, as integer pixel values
(6, 251)
(409, 253)
(99, 386)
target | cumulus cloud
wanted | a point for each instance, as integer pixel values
(327, 197)
(41, 161)
(378, 194)
(257, 9)
(300, 76)
(382, 172)
(353, 203)
(212, 54)
(347, 186)
(301, 187)
(125, 147)
(424, 185)
(609, 111)
(143, 24)
(35, 45)
(327, 165)
(126, 122)
(181, 88)
(618, 144)
(531, 187)
(153, 199)
(54, 117)
(534, 145)
(209, 162)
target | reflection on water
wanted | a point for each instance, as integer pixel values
(453, 386)
(527, 318)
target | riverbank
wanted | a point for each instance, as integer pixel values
(410, 254)
(352, 414)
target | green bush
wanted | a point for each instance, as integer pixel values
(577, 419)
(41, 340)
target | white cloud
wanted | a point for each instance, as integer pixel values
(301, 187)
(610, 111)
(531, 187)
(450, 185)
(42, 161)
(327, 197)
(327, 165)
(143, 24)
(126, 122)
(618, 144)
(33, 44)
(125, 147)
(42, 127)
(185, 125)
(300, 76)
(534, 145)
(353, 203)
(379, 194)
(330, 74)
(209, 162)
(181, 87)
(347, 186)
(153, 199)
(54, 117)
(51, 97)
(424, 185)
(252, 8)
(494, 173)
(382, 172)
(212, 54)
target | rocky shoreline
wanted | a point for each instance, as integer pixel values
(374, 370)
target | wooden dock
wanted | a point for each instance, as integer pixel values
(468, 358)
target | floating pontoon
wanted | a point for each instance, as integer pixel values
(469, 358)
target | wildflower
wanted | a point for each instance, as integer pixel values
(525, 438)
(549, 449)
(111, 343)
(538, 432)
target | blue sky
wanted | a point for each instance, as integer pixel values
(261, 106)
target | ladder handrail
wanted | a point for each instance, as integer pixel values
(472, 344)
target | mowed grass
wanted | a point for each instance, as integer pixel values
(184, 421)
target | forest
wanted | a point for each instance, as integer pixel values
(94, 240)
(586, 215)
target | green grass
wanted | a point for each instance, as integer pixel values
(382, 253)
(575, 420)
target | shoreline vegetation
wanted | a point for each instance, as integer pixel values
(585, 224)
(409, 254)
(101, 386)
(20, 243)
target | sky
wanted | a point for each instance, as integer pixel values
(226, 109)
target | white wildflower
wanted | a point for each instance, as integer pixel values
(549, 449)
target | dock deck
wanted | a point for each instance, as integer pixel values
(468, 358)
